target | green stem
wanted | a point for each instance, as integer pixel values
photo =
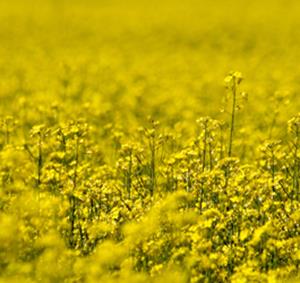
(232, 124)
(204, 146)
(39, 161)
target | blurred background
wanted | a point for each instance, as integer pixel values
(165, 58)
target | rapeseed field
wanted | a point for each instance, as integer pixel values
(149, 141)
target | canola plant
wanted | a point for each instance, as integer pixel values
(131, 152)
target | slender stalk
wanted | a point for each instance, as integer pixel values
(39, 160)
(232, 123)
(6, 132)
(296, 165)
(152, 167)
(204, 146)
(128, 175)
(221, 142)
(72, 199)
